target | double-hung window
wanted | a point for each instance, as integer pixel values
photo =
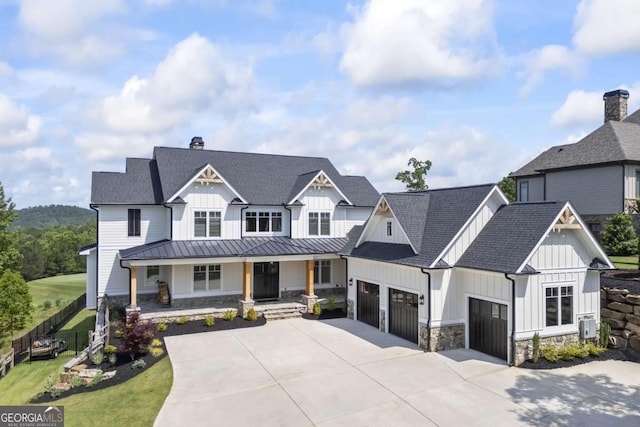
(206, 277)
(322, 272)
(524, 191)
(134, 222)
(319, 224)
(207, 224)
(263, 222)
(558, 305)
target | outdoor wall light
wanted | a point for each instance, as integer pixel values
(421, 299)
(351, 281)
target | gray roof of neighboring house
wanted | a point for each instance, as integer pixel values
(249, 246)
(508, 239)
(261, 179)
(431, 219)
(613, 142)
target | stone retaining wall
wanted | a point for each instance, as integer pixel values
(621, 310)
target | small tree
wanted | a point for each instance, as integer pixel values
(9, 256)
(414, 179)
(137, 336)
(508, 187)
(618, 236)
(15, 302)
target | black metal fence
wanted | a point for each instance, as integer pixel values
(67, 343)
(47, 328)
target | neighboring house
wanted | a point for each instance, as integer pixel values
(218, 227)
(599, 175)
(462, 268)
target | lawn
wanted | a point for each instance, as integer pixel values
(135, 402)
(625, 262)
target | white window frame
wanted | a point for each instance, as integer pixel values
(153, 280)
(389, 228)
(207, 224)
(270, 216)
(320, 279)
(207, 271)
(318, 231)
(570, 327)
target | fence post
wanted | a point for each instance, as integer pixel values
(30, 346)
(76, 343)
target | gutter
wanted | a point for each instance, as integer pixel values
(513, 319)
(128, 268)
(170, 220)
(428, 307)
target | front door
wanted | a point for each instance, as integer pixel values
(266, 280)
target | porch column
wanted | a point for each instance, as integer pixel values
(246, 284)
(309, 285)
(134, 287)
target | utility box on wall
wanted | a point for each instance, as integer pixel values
(587, 329)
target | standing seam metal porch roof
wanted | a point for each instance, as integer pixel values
(249, 246)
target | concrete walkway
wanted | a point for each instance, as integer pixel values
(344, 373)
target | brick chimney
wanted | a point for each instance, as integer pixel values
(197, 143)
(615, 105)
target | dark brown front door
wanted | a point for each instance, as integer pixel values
(403, 314)
(488, 325)
(266, 280)
(369, 303)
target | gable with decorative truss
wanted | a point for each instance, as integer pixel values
(209, 176)
(567, 221)
(206, 176)
(321, 181)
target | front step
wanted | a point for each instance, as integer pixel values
(280, 311)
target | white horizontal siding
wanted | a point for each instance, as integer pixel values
(91, 280)
(113, 226)
(112, 279)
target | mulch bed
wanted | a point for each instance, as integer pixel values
(326, 314)
(543, 363)
(123, 365)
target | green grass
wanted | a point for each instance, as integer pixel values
(625, 262)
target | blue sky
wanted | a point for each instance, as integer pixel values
(478, 87)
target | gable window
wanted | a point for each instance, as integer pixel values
(319, 224)
(263, 222)
(153, 274)
(134, 222)
(322, 272)
(524, 191)
(389, 228)
(207, 224)
(206, 277)
(558, 305)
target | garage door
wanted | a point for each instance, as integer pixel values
(369, 303)
(403, 314)
(488, 327)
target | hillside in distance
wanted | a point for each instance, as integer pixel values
(52, 216)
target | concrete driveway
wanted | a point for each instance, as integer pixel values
(344, 373)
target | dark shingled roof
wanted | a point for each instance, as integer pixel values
(430, 218)
(261, 179)
(249, 246)
(613, 142)
(508, 239)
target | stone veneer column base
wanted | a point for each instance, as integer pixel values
(309, 301)
(350, 312)
(524, 348)
(447, 337)
(383, 321)
(245, 306)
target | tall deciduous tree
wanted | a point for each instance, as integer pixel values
(15, 302)
(508, 187)
(9, 255)
(415, 179)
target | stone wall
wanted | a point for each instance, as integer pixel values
(350, 312)
(383, 321)
(445, 337)
(621, 310)
(524, 348)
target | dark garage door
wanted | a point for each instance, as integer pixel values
(369, 303)
(488, 327)
(403, 314)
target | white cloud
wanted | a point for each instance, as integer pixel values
(17, 125)
(607, 26)
(104, 147)
(550, 57)
(192, 79)
(407, 41)
(73, 30)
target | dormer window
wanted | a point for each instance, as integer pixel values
(207, 224)
(319, 223)
(263, 222)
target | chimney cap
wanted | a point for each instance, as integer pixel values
(196, 143)
(618, 92)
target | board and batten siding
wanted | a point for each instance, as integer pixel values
(377, 230)
(630, 181)
(592, 191)
(356, 216)
(113, 236)
(318, 200)
(562, 249)
(388, 275)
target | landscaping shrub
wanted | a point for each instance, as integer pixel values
(317, 310)
(109, 349)
(331, 303)
(156, 352)
(209, 321)
(113, 358)
(156, 343)
(138, 336)
(572, 350)
(162, 326)
(595, 350)
(76, 381)
(605, 333)
(139, 364)
(182, 320)
(97, 358)
(95, 380)
(550, 353)
(119, 333)
(50, 382)
(536, 347)
(46, 304)
(230, 314)
(618, 236)
(252, 316)
(58, 303)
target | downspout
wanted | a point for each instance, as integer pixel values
(97, 249)
(128, 268)
(513, 319)
(346, 282)
(241, 227)
(170, 221)
(623, 190)
(290, 223)
(428, 307)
